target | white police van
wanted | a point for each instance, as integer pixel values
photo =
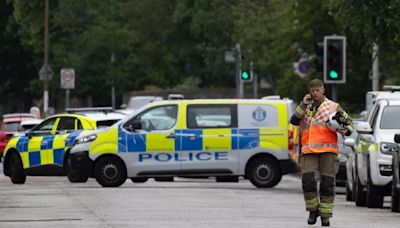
(218, 138)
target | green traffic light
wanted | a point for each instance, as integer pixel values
(245, 75)
(333, 74)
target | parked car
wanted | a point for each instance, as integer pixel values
(395, 197)
(345, 152)
(373, 173)
(42, 151)
(104, 116)
(350, 142)
(11, 124)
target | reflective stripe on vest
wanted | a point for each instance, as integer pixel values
(316, 136)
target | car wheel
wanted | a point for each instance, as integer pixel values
(395, 204)
(360, 194)
(375, 194)
(17, 175)
(264, 172)
(74, 178)
(110, 172)
(139, 179)
(349, 193)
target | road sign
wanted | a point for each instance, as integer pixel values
(67, 78)
(230, 56)
(42, 73)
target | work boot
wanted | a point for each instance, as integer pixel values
(312, 218)
(325, 221)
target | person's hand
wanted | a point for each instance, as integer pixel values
(307, 99)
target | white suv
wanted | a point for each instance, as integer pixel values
(374, 166)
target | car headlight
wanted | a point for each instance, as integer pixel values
(85, 139)
(388, 148)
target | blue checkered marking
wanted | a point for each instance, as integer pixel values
(58, 156)
(69, 141)
(131, 142)
(248, 138)
(47, 142)
(189, 143)
(34, 158)
(22, 144)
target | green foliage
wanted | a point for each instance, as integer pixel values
(181, 43)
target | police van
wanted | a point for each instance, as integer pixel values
(214, 138)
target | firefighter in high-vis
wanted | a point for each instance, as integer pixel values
(320, 121)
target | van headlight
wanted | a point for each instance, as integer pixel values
(85, 139)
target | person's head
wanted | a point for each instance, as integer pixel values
(317, 90)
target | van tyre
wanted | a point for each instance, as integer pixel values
(139, 179)
(264, 172)
(110, 172)
(17, 175)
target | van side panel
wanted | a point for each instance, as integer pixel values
(263, 128)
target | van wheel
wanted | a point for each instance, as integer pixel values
(264, 172)
(17, 175)
(110, 172)
(139, 179)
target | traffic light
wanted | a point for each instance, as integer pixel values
(335, 59)
(245, 76)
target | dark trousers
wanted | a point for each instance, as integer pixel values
(322, 168)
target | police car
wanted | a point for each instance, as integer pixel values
(220, 138)
(41, 150)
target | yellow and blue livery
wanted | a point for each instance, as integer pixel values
(41, 151)
(221, 138)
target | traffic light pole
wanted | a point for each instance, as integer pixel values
(375, 67)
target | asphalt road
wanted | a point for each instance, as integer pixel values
(54, 202)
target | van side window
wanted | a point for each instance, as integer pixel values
(211, 116)
(158, 118)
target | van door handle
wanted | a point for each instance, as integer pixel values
(171, 136)
(191, 136)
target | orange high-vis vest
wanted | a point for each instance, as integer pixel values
(316, 136)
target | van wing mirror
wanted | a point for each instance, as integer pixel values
(135, 125)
